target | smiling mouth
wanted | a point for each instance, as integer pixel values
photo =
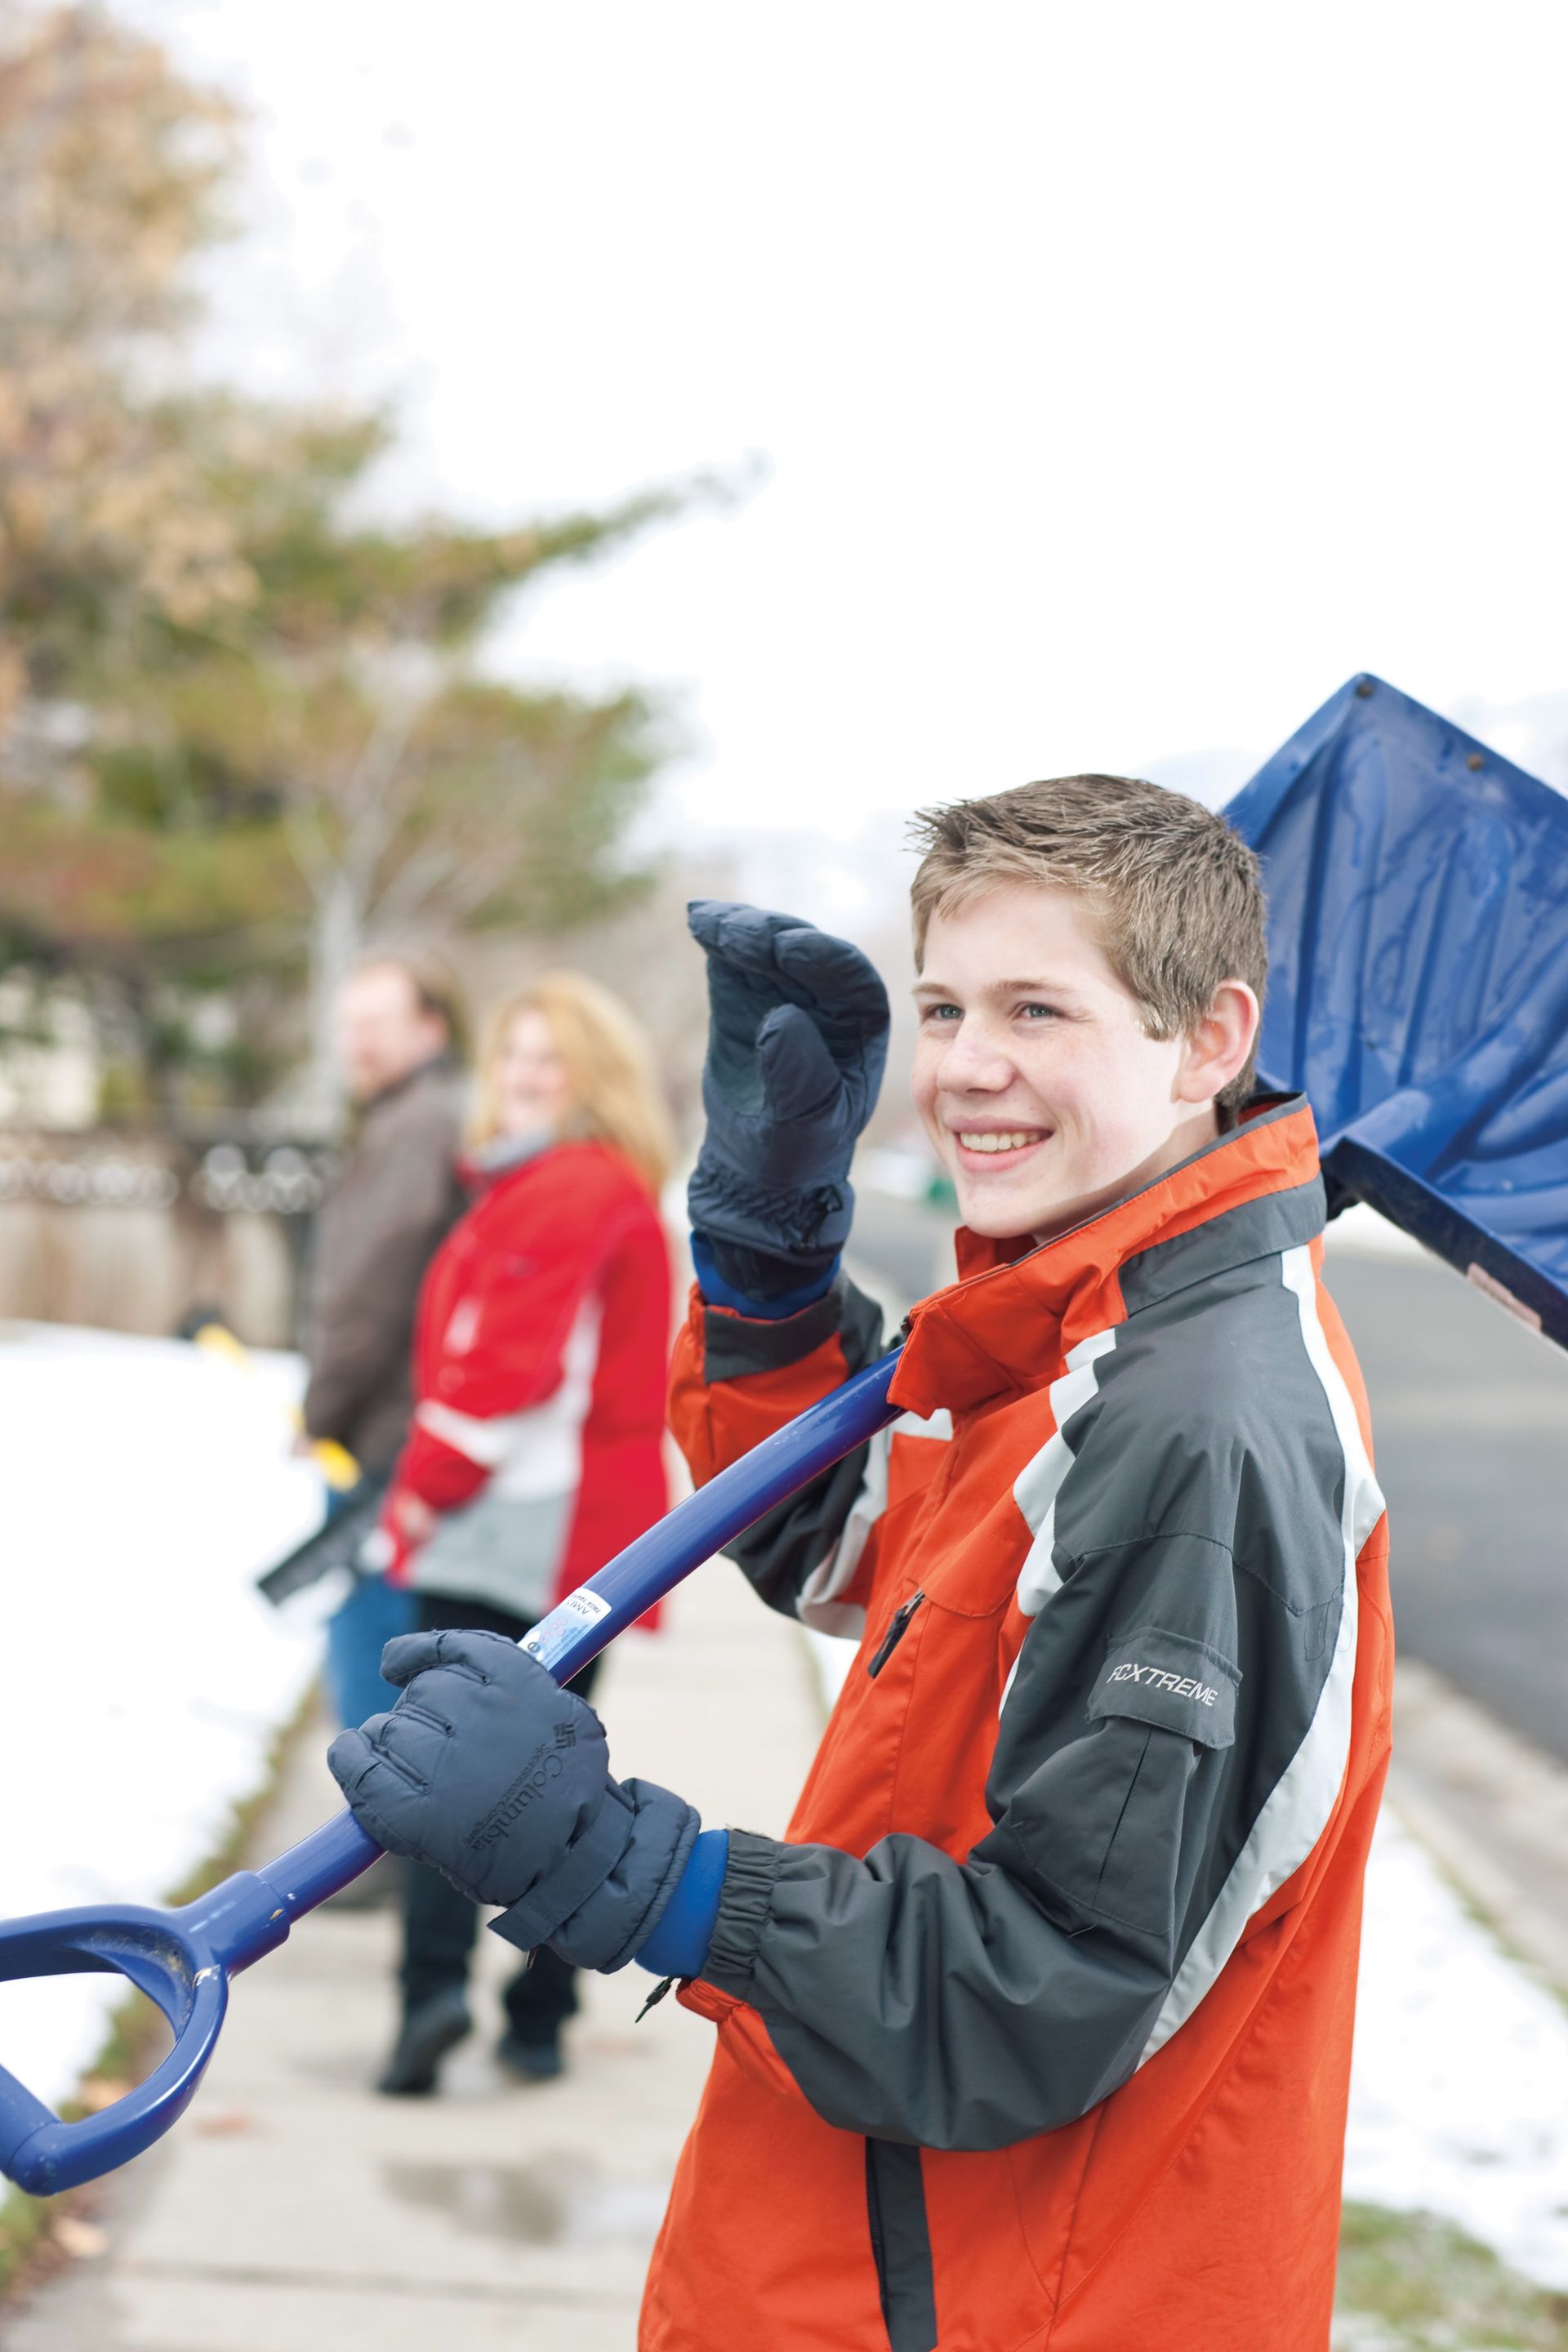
(1019, 1138)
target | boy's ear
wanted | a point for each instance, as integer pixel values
(1215, 1048)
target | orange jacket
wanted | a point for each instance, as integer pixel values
(1037, 2029)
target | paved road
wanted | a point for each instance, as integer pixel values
(1471, 1417)
(1470, 1420)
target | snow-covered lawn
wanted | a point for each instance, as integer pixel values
(145, 1482)
(1459, 2088)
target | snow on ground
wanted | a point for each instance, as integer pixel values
(146, 1482)
(1459, 2088)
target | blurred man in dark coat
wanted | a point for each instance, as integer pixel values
(392, 1205)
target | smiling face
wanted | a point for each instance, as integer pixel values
(1039, 1086)
(532, 1086)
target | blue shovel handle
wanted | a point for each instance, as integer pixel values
(184, 1959)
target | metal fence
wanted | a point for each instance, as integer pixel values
(130, 1232)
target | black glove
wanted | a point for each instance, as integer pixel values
(499, 1779)
(797, 1038)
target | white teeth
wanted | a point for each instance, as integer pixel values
(1013, 1142)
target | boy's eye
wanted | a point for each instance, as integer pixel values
(941, 1013)
(1036, 1011)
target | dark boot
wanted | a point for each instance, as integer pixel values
(530, 2061)
(430, 2029)
(539, 2001)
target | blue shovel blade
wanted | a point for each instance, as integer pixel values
(1418, 982)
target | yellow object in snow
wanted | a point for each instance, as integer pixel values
(334, 1462)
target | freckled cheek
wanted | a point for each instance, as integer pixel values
(1050, 1078)
(924, 1069)
(1108, 1140)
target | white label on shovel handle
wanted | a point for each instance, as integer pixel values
(555, 1635)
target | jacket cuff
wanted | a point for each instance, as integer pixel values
(734, 1347)
(745, 1906)
(722, 1289)
(436, 1472)
(677, 1944)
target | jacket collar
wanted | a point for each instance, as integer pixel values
(1008, 1320)
(486, 1163)
(503, 1155)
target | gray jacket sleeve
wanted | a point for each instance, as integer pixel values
(969, 2004)
(782, 1551)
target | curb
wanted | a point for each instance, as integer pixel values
(1491, 1808)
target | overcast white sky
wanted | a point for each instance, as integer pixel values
(1129, 375)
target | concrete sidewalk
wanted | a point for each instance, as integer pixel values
(292, 2211)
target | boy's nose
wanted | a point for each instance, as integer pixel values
(974, 1063)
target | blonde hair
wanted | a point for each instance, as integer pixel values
(1176, 892)
(609, 1069)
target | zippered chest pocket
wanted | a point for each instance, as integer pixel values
(898, 1626)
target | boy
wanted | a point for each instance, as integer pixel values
(1036, 2030)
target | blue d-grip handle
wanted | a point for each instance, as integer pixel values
(184, 1959)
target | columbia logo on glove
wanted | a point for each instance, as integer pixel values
(488, 1772)
(530, 1784)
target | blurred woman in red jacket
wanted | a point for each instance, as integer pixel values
(535, 1452)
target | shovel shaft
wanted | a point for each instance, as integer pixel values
(184, 1959)
(622, 1591)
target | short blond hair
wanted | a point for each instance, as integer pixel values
(1176, 893)
(615, 1097)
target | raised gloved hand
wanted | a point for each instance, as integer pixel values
(498, 1778)
(797, 1038)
